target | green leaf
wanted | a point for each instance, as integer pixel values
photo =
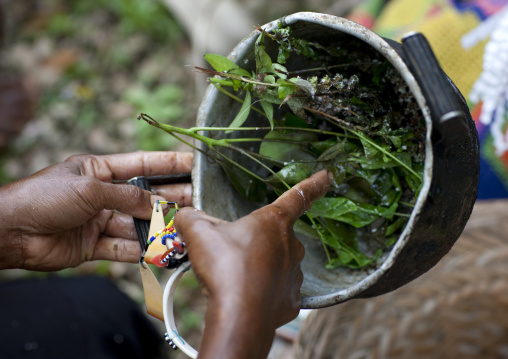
(296, 104)
(396, 225)
(268, 109)
(343, 210)
(269, 79)
(304, 229)
(380, 161)
(263, 60)
(291, 120)
(372, 176)
(293, 173)
(249, 187)
(379, 211)
(397, 142)
(287, 147)
(285, 89)
(283, 55)
(279, 71)
(370, 150)
(240, 72)
(358, 219)
(331, 152)
(242, 115)
(332, 207)
(305, 85)
(270, 96)
(322, 146)
(221, 82)
(220, 63)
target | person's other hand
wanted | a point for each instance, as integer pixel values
(71, 212)
(249, 269)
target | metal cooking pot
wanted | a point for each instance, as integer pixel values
(450, 175)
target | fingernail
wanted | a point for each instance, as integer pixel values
(330, 176)
(155, 199)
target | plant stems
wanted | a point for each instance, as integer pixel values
(321, 238)
(405, 215)
(339, 121)
(236, 98)
(387, 153)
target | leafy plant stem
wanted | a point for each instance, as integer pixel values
(343, 246)
(186, 142)
(236, 98)
(212, 143)
(248, 155)
(321, 238)
(237, 77)
(250, 173)
(276, 128)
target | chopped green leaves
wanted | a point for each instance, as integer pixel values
(349, 112)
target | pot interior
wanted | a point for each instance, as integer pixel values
(214, 194)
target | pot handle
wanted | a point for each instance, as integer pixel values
(439, 92)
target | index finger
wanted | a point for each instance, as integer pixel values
(141, 163)
(298, 199)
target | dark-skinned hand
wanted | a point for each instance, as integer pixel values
(71, 212)
(250, 270)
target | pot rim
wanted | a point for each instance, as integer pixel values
(382, 46)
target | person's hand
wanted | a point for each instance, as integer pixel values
(71, 212)
(249, 269)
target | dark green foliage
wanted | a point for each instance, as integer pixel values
(357, 119)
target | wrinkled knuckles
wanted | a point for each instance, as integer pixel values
(76, 158)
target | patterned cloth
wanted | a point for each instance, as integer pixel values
(470, 40)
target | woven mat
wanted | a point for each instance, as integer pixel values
(459, 309)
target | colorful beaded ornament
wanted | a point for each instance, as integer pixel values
(169, 238)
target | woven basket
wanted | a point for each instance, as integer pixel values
(459, 309)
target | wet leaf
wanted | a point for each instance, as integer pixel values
(332, 207)
(300, 227)
(293, 173)
(385, 212)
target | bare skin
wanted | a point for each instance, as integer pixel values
(71, 212)
(250, 270)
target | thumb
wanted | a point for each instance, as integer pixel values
(189, 220)
(296, 201)
(126, 199)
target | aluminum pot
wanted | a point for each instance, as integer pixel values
(450, 172)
